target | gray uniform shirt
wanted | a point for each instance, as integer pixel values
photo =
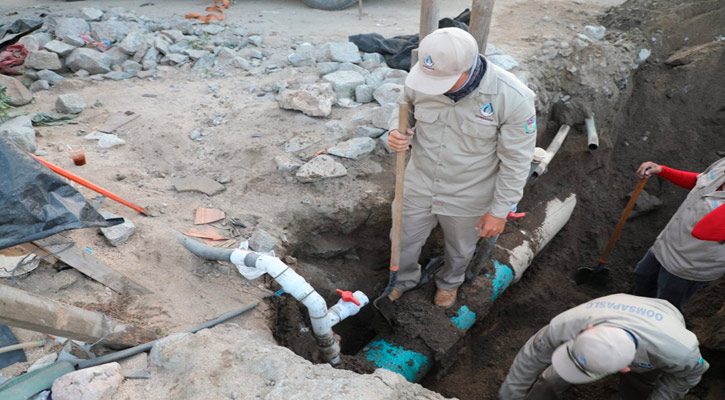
(663, 343)
(676, 249)
(473, 156)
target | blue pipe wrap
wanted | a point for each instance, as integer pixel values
(502, 280)
(464, 319)
(412, 365)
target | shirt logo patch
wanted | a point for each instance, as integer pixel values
(699, 363)
(486, 112)
(645, 365)
(428, 62)
(530, 126)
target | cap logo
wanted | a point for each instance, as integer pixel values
(428, 62)
(582, 360)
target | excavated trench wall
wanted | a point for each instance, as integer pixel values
(668, 107)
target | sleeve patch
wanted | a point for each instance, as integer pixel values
(530, 126)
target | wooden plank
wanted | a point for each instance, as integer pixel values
(428, 17)
(481, 12)
(117, 120)
(29, 311)
(89, 265)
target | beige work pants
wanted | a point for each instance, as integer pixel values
(460, 236)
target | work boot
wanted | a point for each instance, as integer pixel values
(395, 294)
(445, 298)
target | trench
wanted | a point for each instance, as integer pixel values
(672, 113)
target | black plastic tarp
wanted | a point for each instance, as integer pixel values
(396, 50)
(36, 203)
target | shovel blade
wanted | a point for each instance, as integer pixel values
(386, 308)
(594, 276)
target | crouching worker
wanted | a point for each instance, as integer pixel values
(643, 339)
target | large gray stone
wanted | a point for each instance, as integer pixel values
(319, 168)
(49, 76)
(131, 67)
(30, 43)
(370, 131)
(336, 130)
(117, 75)
(364, 93)
(90, 60)
(504, 61)
(314, 99)
(376, 57)
(206, 61)
(60, 48)
(194, 54)
(42, 60)
(324, 68)
(174, 35)
(39, 85)
(353, 67)
(376, 77)
(225, 57)
(110, 30)
(161, 45)
(353, 148)
(594, 32)
(117, 234)
(262, 241)
(95, 383)
(91, 14)
(304, 55)
(132, 42)
(69, 103)
(42, 37)
(343, 52)
(117, 56)
(286, 163)
(18, 94)
(20, 131)
(70, 28)
(176, 59)
(345, 82)
(212, 29)
(382, 114)
(388, 93)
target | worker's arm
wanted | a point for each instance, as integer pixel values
(676, 381)
(515, 149)
(683, 179)
(533, 358)
(711, 226)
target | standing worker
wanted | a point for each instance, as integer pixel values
(690, 251)
(471, 153)
(644, 339)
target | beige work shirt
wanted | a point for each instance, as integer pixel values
(663, 343)
(473, 156)
(676, 249)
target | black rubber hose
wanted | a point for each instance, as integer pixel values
(204, 251)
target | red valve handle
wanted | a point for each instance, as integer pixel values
(512, 216)
(347, 296)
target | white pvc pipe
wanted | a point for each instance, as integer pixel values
(551, 151)
(592, 136)
(321, 319)
(557, 214)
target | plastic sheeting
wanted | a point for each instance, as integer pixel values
(36, 203)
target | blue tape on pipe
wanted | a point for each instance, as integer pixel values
(464, 319)
(502, 280)
(412, 365)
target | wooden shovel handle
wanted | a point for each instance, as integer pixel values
(623, 220)
(398, 201)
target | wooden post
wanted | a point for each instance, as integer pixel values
(29, 311)
(428, 17)
(481, 11)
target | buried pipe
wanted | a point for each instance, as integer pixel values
(322, 319)
(592, 136)
(412, 354)
(551, 151)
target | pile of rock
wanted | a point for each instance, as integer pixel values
(119, 44)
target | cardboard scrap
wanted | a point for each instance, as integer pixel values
(205, 232)
(208, 215)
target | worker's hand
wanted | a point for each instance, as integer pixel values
(647, 169)
(398, 141)
(490, 225)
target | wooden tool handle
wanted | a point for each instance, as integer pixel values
(623, 220)
(398, 201)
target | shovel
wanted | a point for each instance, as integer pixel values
(598, 275)
(383, 303)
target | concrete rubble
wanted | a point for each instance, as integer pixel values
(96, 383)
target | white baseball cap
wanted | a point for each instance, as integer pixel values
(442, 57)
(594, 354)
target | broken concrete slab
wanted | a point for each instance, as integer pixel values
(199, 184)
(118, 234)
(95, 383)
(319, 168)
(353, 148)
(135, 367)
(15, 91)
(315, 99)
